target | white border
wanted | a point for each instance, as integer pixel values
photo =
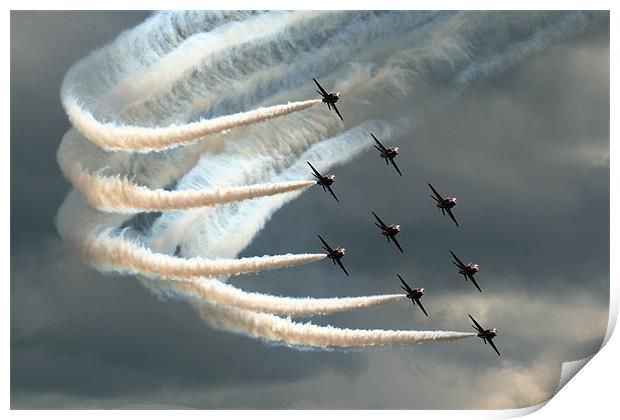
(592, 395)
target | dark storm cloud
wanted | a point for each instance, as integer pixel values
(43, 47)
(526, 152)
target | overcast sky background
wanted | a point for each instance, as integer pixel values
(526, 153)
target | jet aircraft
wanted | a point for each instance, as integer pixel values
(413, 294)
(334, 254)
(390, 231)
(329, 98)
(467, 271)
(445, 204)
(486, 334)
(388, 154)
(324, 181)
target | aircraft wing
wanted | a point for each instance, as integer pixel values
(342, 266)
(421, 307)
(406, 288)
(493, 345)
(395, 167)
(474, 282)
(382, 225)
(320, 88)
(457, 259)
(381, 147)
(436, 193)
(478, 326)
(329, 248)
(332, 193)
(337, 112)
(452, 216)
(397, 244)
(316, 173)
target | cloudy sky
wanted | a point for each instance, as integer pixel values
(525, 151)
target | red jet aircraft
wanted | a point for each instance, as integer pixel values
(389, 232)
(329, 98)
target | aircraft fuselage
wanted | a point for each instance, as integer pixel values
(327, 180)
(470, 269)
(448, 203)
(417, 293)
(337, 254)
(331, 98)
(486, 334)
(392, 152)
(392, 230)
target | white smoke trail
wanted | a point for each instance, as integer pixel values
(195, 50)
(273, 328)
(92, 235)
(218, 293)
(113, 194)
(115, 253)
(116, 194)
(110, 136)
(245, 76)
(138, 50)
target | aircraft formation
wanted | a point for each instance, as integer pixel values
(446, 205)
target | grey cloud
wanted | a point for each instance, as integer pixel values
(79, 332)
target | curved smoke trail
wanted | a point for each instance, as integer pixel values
(273, 328)
(216, 292)
(117, 253)
(181, 90)
(110, 136)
